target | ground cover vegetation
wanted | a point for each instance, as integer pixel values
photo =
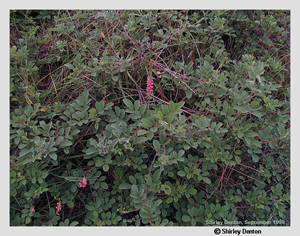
(149, 117)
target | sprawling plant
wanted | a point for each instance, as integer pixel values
(160, 118)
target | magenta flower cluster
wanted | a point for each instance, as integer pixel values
(149, 86)
(83, 183)
(58, 208)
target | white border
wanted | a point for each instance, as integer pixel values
(153, 4)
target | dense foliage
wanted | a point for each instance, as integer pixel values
(91, 146)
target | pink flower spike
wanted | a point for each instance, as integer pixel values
(83, 183)
(32, 210)
(149, 86)
(58, 207)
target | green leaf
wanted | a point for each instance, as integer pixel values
(115, 78)
(90, 207)
(250, 134)
(142, 132)
(144, 212)
(256, 143)
(192, 191)
(53, 156)
(165, 109)
(156, 175)
(13, 174)
(181, 173)
(132, 179)
(74, 223)
(142, 109)
(246, 127)
(248, 140)
(255, 158)
(85, 95)
(128, 103)
(99, 161)
(91, 150)
(278, 189)
(241, 109)
(156, 145)
(206, 180)
(51, 212)
(239, 152)
(146, 123)
(154, 129)
(65, 143)
(99, 106)
(169, 200)
(188, 93)
(162, 136)
(157, 203)
(180, 153)
(137, 105)
(124, 186)
(24, 152)
(70, 204)
(259, 68)
(179, 105)
(225, 106)
(28, 220)
(172, 106)
(105, 167)
(186, 218)
(95, 214)
(150, 135)
(257, 114)
(193, 222)
(70, 66)
(224, 208)
(134, 189)
(207, 100)
(141, 140)
(43, 125)
(74, 188)
(238, 159)
(104, 185)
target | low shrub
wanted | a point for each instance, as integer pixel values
(91, 145)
